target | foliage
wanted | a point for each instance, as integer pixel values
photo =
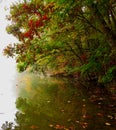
(109, 75)
(59, 36)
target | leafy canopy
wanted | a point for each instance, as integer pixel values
(68, 37)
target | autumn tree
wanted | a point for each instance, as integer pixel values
(75, 37)
(28, 21)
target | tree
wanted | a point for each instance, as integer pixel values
(71, 36)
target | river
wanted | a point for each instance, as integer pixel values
(47, 103)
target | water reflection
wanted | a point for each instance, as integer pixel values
(49, 104)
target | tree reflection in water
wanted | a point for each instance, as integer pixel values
(49, 104)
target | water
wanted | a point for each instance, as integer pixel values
(60, 103)
(7, 69)
(7, 93)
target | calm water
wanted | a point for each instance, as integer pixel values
(53, 103)
(7, 91)
(7, 69)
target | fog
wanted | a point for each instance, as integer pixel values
(7, 69)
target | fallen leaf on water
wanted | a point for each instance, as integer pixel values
(34, 127)
(101, 99)
(69, 101)
(99, 103)
(69, 120)
(113, 97)
(57, 127)
(48, 101)
(111, 105)
(62, 110)
(100, 114)
(84, 100)
(84, 124)
(107, 123)
(109, 116)
(51, 125)
(77, 121)
(71, 128)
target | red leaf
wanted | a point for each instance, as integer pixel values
(28, 34)
(45, 17)
(84, 57)
(38, 23)
(25, 6)
(30, 23)
(100, 114)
